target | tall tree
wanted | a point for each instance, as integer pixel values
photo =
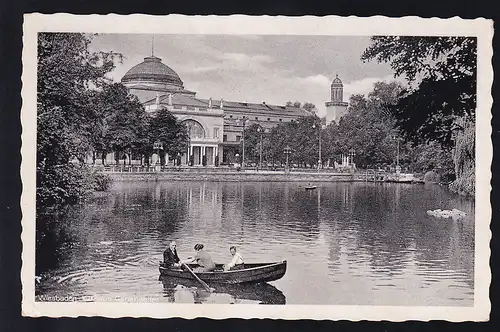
(67, 72)
(442, 75)
(166, 129)
(309, 107)
(367, 128)
(123, 120)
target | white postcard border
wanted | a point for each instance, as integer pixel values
(263, 25)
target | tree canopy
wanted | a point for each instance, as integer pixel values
(442, 76)
(309, 107)
(68, 76)
(368, 127)
(164, 127)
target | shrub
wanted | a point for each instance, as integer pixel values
(464, 158)
(62, 184)
(59, 185)
(102, 182)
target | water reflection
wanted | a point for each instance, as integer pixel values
(189, 291)
(346, 243)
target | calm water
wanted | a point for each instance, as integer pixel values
(345, 243)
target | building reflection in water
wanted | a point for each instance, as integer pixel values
(345, 243)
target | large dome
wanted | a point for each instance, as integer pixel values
(152, 70)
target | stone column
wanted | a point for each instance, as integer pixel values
(214, 153)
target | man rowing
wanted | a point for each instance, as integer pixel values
(170, 257)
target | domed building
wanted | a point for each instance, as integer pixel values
(152, 76)
(215, 126)
(336, 107)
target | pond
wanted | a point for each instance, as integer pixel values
(345, 243)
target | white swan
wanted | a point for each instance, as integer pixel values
(454, 214)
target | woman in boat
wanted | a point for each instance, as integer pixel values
(170, 257)
(201, 258)
(236, 263)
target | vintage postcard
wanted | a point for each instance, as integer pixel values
(256, 167)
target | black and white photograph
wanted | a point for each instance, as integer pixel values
(253, 163)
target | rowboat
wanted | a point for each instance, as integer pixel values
(310, 187)
(252, 273)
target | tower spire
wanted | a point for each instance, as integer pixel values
(153, 46)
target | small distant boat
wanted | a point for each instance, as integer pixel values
(252, 273)
(310, 187)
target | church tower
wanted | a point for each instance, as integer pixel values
(336, 107)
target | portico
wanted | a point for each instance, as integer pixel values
(197, 149)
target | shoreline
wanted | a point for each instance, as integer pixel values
(243, 176)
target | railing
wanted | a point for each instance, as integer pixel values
(197, 168)
(372, 175)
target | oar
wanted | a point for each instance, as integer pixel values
(197, 278)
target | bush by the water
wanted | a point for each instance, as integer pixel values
(464, 157)
(62, 184)
(432, 177)
(67, 184)
(102, 182)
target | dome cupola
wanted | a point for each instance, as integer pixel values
(153, 72)
(337, 82)
(337, 90)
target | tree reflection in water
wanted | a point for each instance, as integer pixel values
(346, 243)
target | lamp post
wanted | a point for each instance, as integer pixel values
(352, 153)
(320, 163)
(243, 138)
(237, 156)
(260, 131)
(396, 138)
(287, 151)
(157, 146)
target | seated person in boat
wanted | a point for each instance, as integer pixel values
(202, 259)
(236, 263)
(170, 257)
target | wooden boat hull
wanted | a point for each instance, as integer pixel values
(252, 273)
(310, 188)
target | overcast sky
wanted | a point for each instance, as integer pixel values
(250, 68)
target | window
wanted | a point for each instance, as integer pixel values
(224, 138)
(238, 138)
(256, 118)
(231, 116)
(280, 120)
(195, 129)
(216, 132)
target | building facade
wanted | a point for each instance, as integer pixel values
(215, 126)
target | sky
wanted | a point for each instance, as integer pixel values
(254, 68)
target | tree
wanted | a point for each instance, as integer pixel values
(299, 135)
(442, 71)
(67, 76)
(122, 121)
(309, 107)
(368, 127)
(164, 127)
